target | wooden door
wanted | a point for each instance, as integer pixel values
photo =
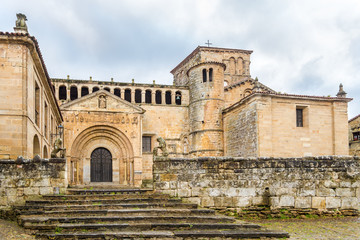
(101, 165)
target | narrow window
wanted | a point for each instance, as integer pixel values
(146, 144)
(158, 97)
(148, 96)
(62, 93)
(168, 97)
(84, 91)
(117, 92)
(95, 89)
(107, 89)
(138, 96)
(204, 75)
(36, 146)
(73, 93)
(46, 113)
(210, 75)
(178, 98)
(45, 153)
(37, 104)
(299, 117)
(128, 95)
(356, 136)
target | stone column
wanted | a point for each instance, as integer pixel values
(153, 97)
(122, 92)
(132, 95)
(162, 97)
(79, 91)
(173, 98)
(143, 96)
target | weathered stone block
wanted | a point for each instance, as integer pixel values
(306, 192)
(242, 201)
(318, 202)
(214, 192)
(349, 203)
(345, 192)
(184, 192)
(11, 191)
(45, 182)
(303, 202)
(287, 201)
(194, 200)
(46, 190)
(274, 202)
(246, 192)
(207, 201)
(231, 192)
(333, 202)
(325, 192)
(260, 201)
(3, 200)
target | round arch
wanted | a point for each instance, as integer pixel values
(107, 137)
(36, 146)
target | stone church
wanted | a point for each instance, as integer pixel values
(109, 128)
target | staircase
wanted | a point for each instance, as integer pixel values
(129, 214)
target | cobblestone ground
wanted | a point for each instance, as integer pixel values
(11, 231)
(322, 228)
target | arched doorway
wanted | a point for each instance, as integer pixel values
(101, 165)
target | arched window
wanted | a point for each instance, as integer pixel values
(168, 97)
(138, 96)
(148, 96)
(117, 92)
(84, 91)
(204, 75)
(226, 83)
(45, 152)
(158, 97)
(178, 98)
(73, 93)
(210, 75)
(107, 89)
(36, 146)
(95, 89)
(62, 93)
(232, 66)
(128, 95)
(37, 104)
(240, 65)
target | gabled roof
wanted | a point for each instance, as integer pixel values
(352, 119)
(121, 104)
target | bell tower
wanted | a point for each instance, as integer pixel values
(206, 85)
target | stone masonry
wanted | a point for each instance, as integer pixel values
(24, 179)
(320, 183)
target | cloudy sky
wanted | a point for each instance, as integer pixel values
(302, 47)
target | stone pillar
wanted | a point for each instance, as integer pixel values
(173, 97)
(132, 95)
(122, 92)
(79, 91)
(162, 97)
(143, 96)
(153, 97)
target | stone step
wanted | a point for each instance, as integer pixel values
(121, 212)
(107, 206)
(26, 220)
(108, 191)
(104, 196)
(66, 227)
(190, 234)
(97, 201)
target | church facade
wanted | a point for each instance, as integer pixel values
(213, 108)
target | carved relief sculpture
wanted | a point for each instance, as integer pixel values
(102, 101)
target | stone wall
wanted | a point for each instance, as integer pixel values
(24, 179)
(317, 183)
(240, 131)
